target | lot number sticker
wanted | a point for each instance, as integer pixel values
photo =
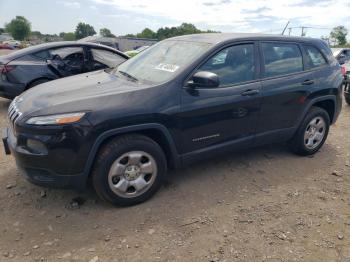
(167, 67)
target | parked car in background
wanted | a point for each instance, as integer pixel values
(343, 57)
(138, 50)
(35, 65)
(182, 100)
(346, 74)
(12, 43)
(341, 54)
(6, 46)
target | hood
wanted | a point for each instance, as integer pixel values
(73, 93)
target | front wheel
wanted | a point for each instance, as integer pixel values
(129, 170)
(312, 133)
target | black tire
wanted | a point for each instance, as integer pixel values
(37, 82)
(347, 100)
(297, 144)
(115, 149)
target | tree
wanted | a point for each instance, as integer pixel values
(147, 33)
(339, 34)
(166, 32)
(36, 34)
(19, 28)
(70, 36)
(2, 30)
(105, 32)
(83, 30)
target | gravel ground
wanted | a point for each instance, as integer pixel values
(5, 51)
(265, 204)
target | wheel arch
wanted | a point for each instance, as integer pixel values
(327, 103)
(329, 106)
(156, 132)
(29, 84)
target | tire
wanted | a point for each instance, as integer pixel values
(347, 99)
(312, 132)
(37, 82)
(119, 174)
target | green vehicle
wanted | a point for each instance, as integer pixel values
(132, 53)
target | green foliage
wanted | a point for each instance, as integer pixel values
(339, 34)
(166, 32)
(83, 30)
(105, 32)
(2, 30)
(19, 28)
(36, 34)
(70, 36)
(147, 33)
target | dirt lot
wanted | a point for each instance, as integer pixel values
(5, 51)
(264, 204)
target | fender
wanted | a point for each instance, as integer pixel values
(314, 101)
(123, 130)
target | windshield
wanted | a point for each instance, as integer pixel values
(162, 61)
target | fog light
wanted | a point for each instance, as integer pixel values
(36, 146)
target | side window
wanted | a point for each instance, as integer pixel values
(233, 65)
(42, 55)
(69, 55)
(314, 57)
(38, 56)
(281, 59)
(103, 58)
(69, 60)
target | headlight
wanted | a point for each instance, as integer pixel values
(55, 119)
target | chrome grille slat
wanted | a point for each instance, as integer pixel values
(13, 113)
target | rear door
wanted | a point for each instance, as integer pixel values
(285, 86)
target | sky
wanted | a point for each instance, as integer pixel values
(132, 16)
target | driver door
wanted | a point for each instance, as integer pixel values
(225, 116)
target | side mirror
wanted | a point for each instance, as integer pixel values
(204, 79)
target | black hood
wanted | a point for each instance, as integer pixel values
(80, 92)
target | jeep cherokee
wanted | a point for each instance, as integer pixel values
(182, 100)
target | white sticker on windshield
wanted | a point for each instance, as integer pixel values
(167, 67)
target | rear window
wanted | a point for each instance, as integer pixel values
(281, 59)
(314, 57)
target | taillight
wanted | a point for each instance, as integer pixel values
(6, 68)
(343, 70)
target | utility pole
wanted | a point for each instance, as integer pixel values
(290, 30)
(302, 30)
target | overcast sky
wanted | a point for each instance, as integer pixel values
(131, 16)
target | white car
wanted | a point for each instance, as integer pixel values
(13, 43)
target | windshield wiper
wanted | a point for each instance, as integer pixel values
(129, 76)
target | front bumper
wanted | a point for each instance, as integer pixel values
(59, 162)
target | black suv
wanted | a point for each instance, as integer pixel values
(181, 100)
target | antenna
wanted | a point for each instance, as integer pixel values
(285, 28)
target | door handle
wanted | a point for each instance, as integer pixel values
(308, 82)
(250, 92)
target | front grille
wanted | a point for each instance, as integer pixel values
(13, 113)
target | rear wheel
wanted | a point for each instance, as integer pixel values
(312, 132)
(129, 170)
